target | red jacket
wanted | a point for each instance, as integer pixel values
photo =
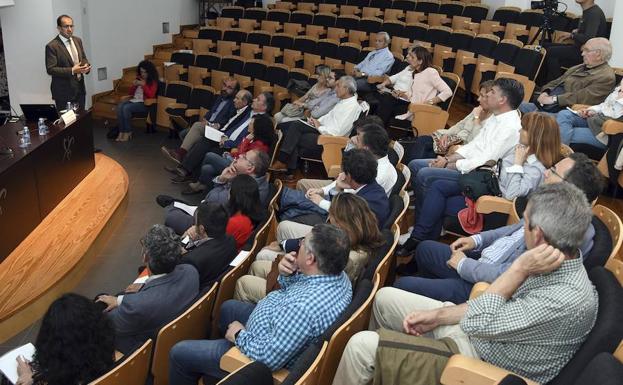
(149, 90)
(247, 145)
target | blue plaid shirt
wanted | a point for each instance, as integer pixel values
(288, 320)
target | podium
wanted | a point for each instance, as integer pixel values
(35, 179)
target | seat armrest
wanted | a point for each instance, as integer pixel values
(177, 105)
(469, 60)
(612, 127)
(577, 107)
(488, 204)
(486, 67)
(375, 79)
(233, 359)
(191, 112)
(478, 289)
(150, 102)
(466, 370)
(427, 118)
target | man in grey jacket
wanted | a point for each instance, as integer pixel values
(447, 273)
(169, 290)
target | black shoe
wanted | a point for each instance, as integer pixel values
(164, 200)
(407, 269)
(408, 248)
(179, 179)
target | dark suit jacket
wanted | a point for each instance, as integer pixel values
(374, 194)
(211, 258)
(225, 114)
(141, 315)
(235, 124)
(58, 64)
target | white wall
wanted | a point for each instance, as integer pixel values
(617, 36)
(27, 28)
(115, 33)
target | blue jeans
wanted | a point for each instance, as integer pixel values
(574, 129)
(443, 198)
(212, 166)
(437, 280)
(422, 176)
(125, 110)
(189, 360)
(526, 107)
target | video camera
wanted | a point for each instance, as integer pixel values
(546, 5)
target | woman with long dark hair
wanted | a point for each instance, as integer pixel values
(420, 82)
(244, 208)
(75, 344)
(145, 86)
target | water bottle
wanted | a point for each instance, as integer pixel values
(43, 128)
(68, 107)
(24, 140)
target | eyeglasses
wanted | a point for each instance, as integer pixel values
(244, 156)
(553, 171)
(66, 26)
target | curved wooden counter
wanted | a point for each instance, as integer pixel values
(59, 251)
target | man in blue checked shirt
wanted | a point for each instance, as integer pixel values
(376, 63)
(314, 292)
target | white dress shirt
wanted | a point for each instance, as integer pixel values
(339, 121)
(499, 134)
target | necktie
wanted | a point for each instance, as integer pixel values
(74, 55)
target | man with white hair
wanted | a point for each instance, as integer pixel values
(302, 137)
(378, 62)
(586, 83)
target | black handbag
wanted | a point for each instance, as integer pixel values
(481, 181)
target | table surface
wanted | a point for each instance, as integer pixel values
(9, 136)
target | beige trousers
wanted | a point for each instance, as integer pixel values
(196, 132)
(390, 307)
(291, 230)
(305, 184)
(252, 287)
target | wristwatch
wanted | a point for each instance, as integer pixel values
(555, 99)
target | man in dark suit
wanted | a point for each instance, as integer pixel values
(233, 133)
(66, 62)
(221, 111)
(169, 290)
(210, 249)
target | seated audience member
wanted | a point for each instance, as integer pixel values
(371, 137)
(358, 174)
(567, 54)
(245, 211)
(530, 321)
(447, 275)
(253, 163)
(586, 83)
(521, 172)
(223, 109)
(261, 136)
(498, 135)
(426, 86)
(75, 344)
(210, 248)
(232, 137)
(302, 138)
(139, 314)
(377, 63)
(145, 86)
(348, 212)
(584, 126)
(447, 141)
(319, 100)
(314, 292)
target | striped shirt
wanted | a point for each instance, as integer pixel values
(539, 329)
(288, 320)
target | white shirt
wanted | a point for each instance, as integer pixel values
(499, 134)
(403, 80)
(386, 176)
(339, 121)
(612, 107)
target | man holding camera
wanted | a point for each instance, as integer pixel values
(569, 53)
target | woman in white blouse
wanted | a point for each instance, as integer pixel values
(417, 83)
